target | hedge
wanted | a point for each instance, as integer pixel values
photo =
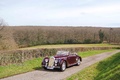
(19, 56)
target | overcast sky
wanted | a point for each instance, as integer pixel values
(61, 12)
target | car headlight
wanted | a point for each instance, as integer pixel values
(46, 60)
(56, 60)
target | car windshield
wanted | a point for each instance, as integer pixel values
(62, 53)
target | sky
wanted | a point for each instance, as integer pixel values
(99, 13)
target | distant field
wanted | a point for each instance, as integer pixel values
(71, 45)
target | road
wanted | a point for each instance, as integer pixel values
(58, 75)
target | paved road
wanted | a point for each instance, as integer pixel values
(58, 75)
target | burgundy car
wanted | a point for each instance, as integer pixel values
(61, 60)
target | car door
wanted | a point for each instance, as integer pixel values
(71, 59)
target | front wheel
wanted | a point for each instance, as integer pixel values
(44, 68)
(78, 61)
(63, 66)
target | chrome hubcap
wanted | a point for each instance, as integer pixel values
(63, 66)
(78, 62)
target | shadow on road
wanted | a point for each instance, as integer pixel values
(47, 70)
(50, 70)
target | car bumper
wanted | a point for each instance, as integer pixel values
(50, 67)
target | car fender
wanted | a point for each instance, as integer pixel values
(62, 60)
(80, 58)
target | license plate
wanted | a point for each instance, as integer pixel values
(50, 67)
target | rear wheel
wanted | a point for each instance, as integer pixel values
(63, 66)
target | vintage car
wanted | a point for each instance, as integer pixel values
(61, 60)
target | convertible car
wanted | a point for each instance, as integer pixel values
(61, 60)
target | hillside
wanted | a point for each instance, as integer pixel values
(108, 69)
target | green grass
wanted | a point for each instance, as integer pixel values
(108, 69)
(27, 66)
(90, 53)
(71, 45)
(34, 64)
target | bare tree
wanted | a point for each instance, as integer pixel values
(2, 24)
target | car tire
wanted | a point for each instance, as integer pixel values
(45, 68)
(78, 61)
(63, 66)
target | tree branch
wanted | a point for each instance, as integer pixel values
(2, 24)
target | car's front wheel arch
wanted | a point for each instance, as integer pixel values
(63, 65)
(78, 62)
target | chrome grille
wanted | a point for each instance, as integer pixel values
(51, 61)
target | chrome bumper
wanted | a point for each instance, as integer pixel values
(50, 67)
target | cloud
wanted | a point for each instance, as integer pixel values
(104, 10)
(60, 12)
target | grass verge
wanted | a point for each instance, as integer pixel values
(26, 66)
(34, 64)
(108, 69)
(90, 53)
